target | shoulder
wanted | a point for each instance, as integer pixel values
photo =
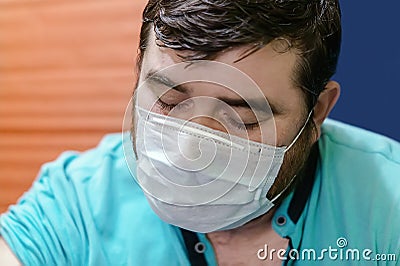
(364, 155)
(85, 175)
(100, 181)
(92, 204)
(359, 181)
(112, 206)
(354, 138)
(366, 160)
(109, 148)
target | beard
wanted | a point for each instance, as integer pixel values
(296, 158)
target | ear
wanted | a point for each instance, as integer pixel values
(325, 103)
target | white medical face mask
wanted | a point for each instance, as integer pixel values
(202, 179)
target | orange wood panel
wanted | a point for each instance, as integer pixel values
(67, 70)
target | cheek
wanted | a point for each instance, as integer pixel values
(286, 131)
(146, 99)
(264, 134)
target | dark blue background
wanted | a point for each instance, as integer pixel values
(369, 66)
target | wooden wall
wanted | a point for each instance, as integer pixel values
(67, 70)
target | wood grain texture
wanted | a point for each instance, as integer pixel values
(67, 70)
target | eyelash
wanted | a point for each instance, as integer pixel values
(251, 126)
(241, 126)
(164, 105)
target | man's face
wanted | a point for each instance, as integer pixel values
(270, 70)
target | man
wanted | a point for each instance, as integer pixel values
(235, 160)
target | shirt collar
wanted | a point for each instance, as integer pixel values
(304, 186)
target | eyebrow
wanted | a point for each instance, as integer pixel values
(257, 104)
(155, 77)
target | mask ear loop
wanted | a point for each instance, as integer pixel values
(280, 193)
(301, 131)
(293, 142)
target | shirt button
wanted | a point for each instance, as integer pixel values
(200, 247)
(281, 220)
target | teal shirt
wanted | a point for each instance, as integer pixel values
(86, 209)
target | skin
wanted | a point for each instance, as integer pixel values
(272, 72)
(6, 256)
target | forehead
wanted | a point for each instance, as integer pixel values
(270, 70)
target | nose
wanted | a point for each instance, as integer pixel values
(209, 122)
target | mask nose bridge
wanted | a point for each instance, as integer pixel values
(205, 113)
(202, 113)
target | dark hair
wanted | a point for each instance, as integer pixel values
(206, 27)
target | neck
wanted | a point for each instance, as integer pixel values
(249, 230)
(239, 246)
